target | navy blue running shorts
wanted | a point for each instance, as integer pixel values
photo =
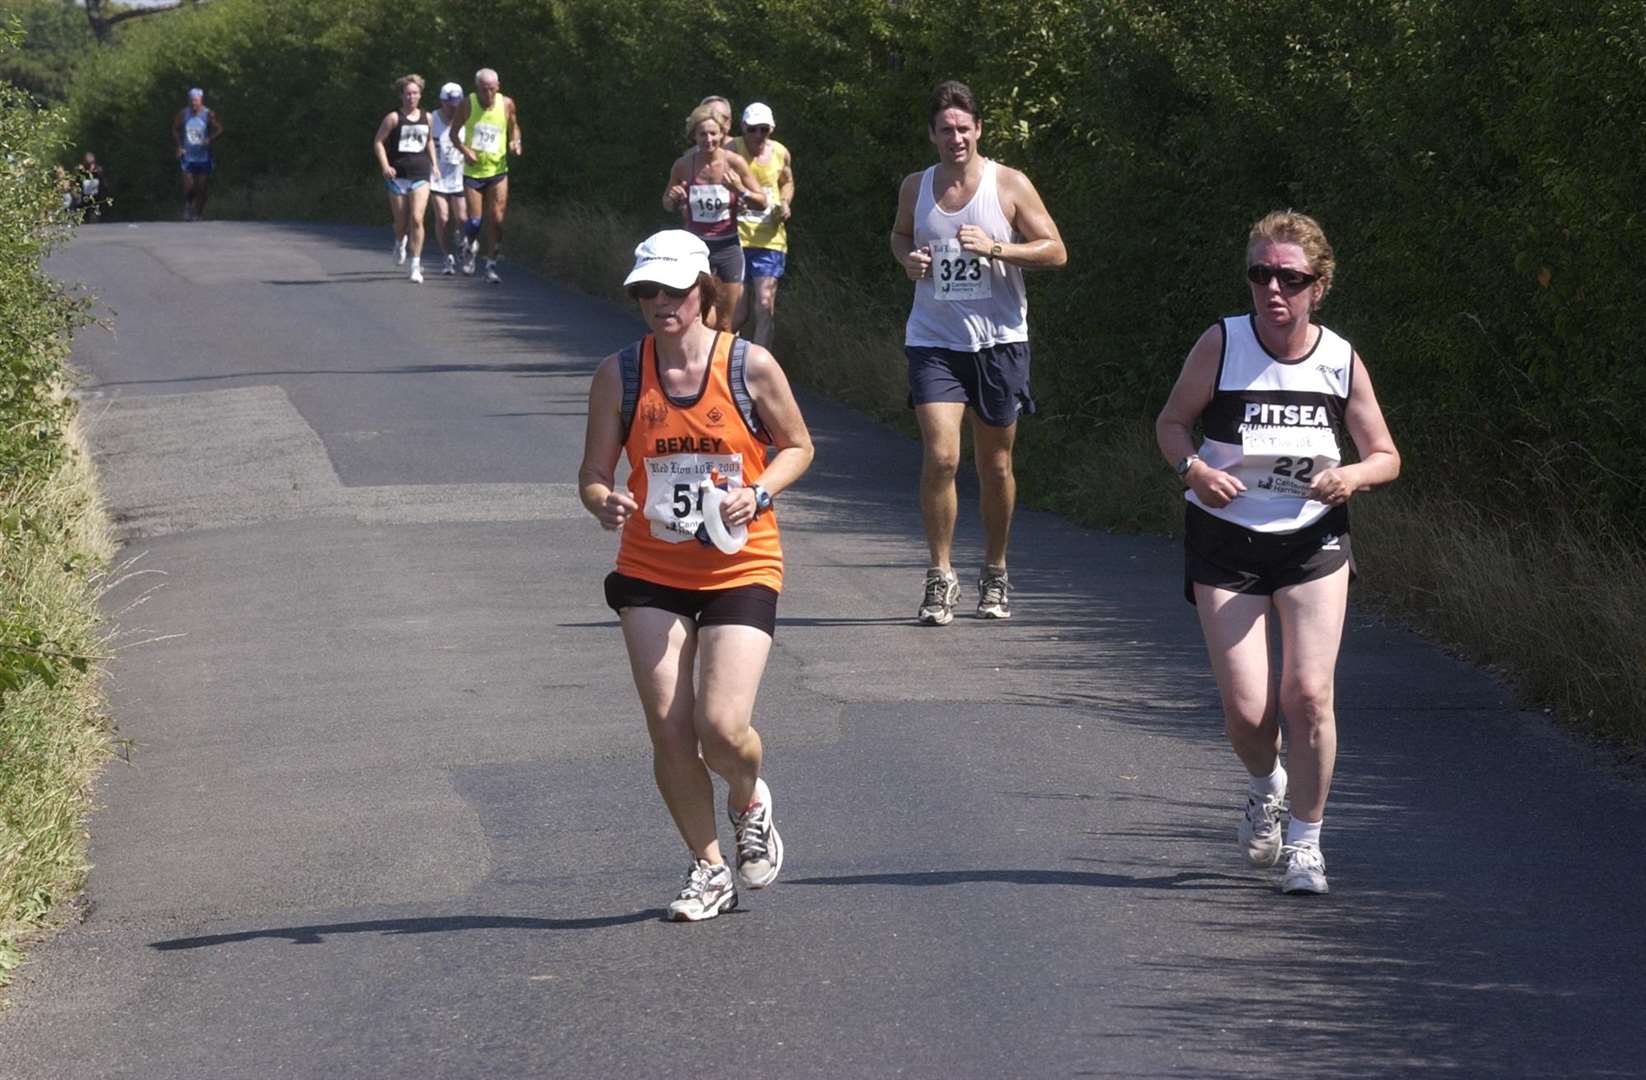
(993, 381)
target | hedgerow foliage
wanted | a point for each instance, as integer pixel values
(1477, 164)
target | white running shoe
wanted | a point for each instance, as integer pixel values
(942, 593)
(759, 848)
(471, 250)
(417, 274)
(992, 599)
(1260, 832)
(1305, 870)
(491, 271)
(708, 891)
(450, 266)
(400, 252)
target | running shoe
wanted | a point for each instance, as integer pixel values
(471, 251)
(400, 253)
(942, 593)
(759, 848)
(1260, 833)
(491, 271)
(188, 212)
(1305, 870)
(708, 891)
(416, 274)
(450, 266)
(992, 602)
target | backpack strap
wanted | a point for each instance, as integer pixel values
(628, 366)
(736, 375)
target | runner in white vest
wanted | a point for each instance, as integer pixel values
(1267, 529)
(965, 229)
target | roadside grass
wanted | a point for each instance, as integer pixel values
(1555, 607)
(54, 735)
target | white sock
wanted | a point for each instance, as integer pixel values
(417, 260)
(1273, 784)
(1299, 831)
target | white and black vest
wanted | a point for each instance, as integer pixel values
(1275, 424)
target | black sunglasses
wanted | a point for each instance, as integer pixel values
(762, 128)
(649, 290)
(1290, 280)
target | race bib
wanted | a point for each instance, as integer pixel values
(414, 138)
(1281, 462)
(959, 274)
(710, 203)
(89, 187)
(449, 153)
(755, 216)
(673, 502)
(194, 134)
(487, 139)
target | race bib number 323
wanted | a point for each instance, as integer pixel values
(958, 274)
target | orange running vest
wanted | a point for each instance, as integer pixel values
(671, 445)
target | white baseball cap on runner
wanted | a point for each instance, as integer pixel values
(673, 258)
(451, 92)
(759, 112)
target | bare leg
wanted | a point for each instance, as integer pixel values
(997, 485)
(397, 208)
(940, 459)
(725, 310)
(1236, 626)
(202, 185)
(764, 292)
(417, 203)
(496, 204)
(443, 222)
(1311, 631)
(732, 659)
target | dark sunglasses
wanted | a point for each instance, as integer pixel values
(1290, 280)
(764, 129)
(649, 290)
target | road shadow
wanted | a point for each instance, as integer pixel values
(438, 924)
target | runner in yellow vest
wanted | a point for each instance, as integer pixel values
(485, 130)
(764, 233)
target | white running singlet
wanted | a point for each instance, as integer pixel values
(968, 302)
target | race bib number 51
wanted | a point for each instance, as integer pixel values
(958, 274)
(673, 501)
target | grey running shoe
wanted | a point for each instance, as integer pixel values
(759, 848)
(1260, 833)
(450, 266)
(942, 593)
(491, 271)
(1305, 870)
(708, 891)
(992, 602)
(471, 251)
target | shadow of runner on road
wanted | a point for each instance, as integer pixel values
(434, 924)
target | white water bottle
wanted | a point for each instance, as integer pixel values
(728, 540)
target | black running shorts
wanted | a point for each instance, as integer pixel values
(740, 605)
(1228, 556)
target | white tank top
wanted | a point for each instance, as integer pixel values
(968, 302)
(1275, 425)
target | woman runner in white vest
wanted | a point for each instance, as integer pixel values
(1267, 528)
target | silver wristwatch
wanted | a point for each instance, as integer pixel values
(1186, 464)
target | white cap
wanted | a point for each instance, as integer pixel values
(673, 257)
(451, 92)
(196, 92)
(758, 112)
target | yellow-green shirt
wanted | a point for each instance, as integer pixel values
(486, 132)
(764, 228)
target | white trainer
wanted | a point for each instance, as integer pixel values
(417, 274)
(491, 271)
(1304, 870)
(450, 266)
(400, 252)
(759, 848)
(1260, 832)
(708, 891)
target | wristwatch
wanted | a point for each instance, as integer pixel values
(762, 499)
(1186, 464)
(994, 252)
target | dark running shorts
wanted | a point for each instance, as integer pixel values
(198, 168)
(481, 183)
(994, 381)
(741, 605)
(1228, 556)
(726, 260)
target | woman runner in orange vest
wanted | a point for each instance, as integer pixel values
(690, 405)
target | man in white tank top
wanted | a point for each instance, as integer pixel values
(966, 228)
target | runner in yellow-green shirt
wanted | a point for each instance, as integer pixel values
(764, 233)
(486, 130)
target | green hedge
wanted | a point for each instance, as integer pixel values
(1476, 163)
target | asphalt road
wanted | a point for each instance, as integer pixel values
(390, 811)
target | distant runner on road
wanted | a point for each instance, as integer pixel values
(194, 132)
(699, 566)
(486, 130)
(1266, 531)
(966, 229)
(764, 232)
(447, 196)
(707, 186)
(404, 146)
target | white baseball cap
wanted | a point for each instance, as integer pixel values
(451, 92)
(673, 257)
(758, 112)
(196, 92)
